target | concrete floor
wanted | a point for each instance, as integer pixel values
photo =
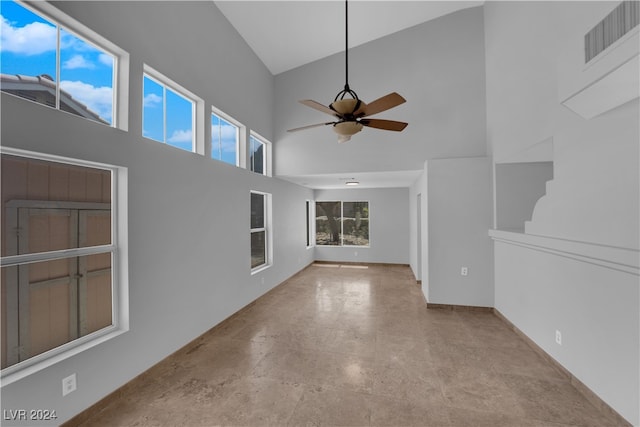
(353, 346)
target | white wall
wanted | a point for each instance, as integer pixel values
(189, 245)
(388, 226)
(437, 66)
(582, 277)
(459, 214)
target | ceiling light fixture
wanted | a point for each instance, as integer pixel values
(352, 183)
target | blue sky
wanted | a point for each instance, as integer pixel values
(28, 47)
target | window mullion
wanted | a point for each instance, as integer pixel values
(341, 223)
(58, 66)
(164, 113)
(13, 260)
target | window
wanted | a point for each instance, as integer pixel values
(260, 225)
(51, 59)
(170, 112)
(342, 223)
(259, 154)
(62, 265)
(225, 139)
(309, 224)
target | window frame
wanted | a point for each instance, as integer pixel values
(197, 111)
(119, 270)
(266, 154)
(267, 226)
(120, 83)
(310, 212)
(342, 245)
(240, 139)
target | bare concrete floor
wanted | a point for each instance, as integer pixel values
(353, 346)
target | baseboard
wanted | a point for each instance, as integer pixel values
(455, 307)
(579, 385)
(373, 264)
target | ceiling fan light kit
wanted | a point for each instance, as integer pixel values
(347, 129)
(351, 111)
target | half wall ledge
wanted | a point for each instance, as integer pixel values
(621, 259)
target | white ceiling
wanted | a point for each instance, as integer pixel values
(289, 34)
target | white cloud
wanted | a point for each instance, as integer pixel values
(32, 39)
(78, 61)
(106, 59)
(182, 135)
(152, 100)
(97, 99)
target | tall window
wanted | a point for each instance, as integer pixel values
(225, 140)
(169, 112)
(342, 223)
(60, 257)
(44, 59)
(308, 221)
(260, 244)
(258, 155)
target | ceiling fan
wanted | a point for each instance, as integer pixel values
(351, 113)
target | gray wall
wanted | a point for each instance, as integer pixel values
(189, 246)
(581, 278)
(459, 215)
(389, 226)
(518, 187)
(437, 66)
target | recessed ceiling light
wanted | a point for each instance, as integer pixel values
(352, 183)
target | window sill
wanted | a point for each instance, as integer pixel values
(38, 363)
(260, 269)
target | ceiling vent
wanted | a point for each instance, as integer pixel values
(615, 25)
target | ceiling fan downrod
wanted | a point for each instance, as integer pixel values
(347, 90)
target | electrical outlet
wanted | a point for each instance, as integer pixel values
(558, 337)
(464, 271)
(69, 384)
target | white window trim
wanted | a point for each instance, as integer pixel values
(120, 117)
(198, 120)
(119, 266)
(267, 234)
(310, 208)
(266, 154)
(240, 142)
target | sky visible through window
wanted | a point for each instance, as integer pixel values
(28, 47)
(224, 138)
(160, 104)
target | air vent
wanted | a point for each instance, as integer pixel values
(615, 25)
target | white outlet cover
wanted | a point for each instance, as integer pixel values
(69, 384)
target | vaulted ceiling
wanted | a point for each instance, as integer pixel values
(288, 34)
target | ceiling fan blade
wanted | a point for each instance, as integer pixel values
(382, 104)
(384, 124)
(309, 126)
(317, 106)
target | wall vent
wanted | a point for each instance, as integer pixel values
(616, 24)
